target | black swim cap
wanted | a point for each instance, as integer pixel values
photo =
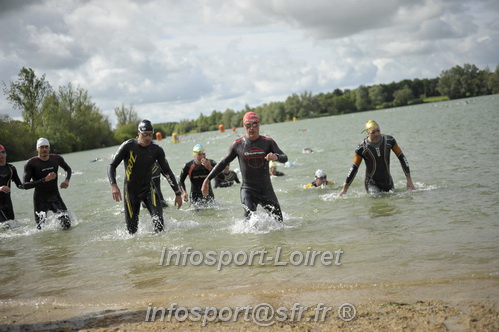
(145, 125)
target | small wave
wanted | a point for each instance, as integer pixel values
(258, 223)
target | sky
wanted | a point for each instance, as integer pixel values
(173, 60)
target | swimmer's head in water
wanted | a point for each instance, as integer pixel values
(320, 173)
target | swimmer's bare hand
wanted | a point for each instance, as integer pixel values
(178, 202)
(271, 156)
(64, 184)
(206, 163)
(205, 188)
(51, 176)
(5, 189)
(115, 192)
(185, 196)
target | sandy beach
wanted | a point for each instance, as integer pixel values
(464, 305)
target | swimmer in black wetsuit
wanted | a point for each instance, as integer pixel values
(375, 150)
(156, 178)
(8, 173)
(41, 173)
(254, 152)
(197, 170)
(139, 155)
(226, 178)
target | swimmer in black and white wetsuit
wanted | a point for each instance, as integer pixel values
(139, 155)
(41, 173)
(375, 150)
(254, 152)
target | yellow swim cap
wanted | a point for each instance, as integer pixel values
(197, 149)
(272, 163)
(370, 125)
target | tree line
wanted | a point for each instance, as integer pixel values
(72, 122)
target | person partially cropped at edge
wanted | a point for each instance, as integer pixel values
(8, 173)
(375, 150)
(41, 173)
(139, 156)
(254, 152)
(197, 170)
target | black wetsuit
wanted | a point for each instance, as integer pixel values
(46, 196)
(156, 178)
(256, 187)
(377, 157)
(138, 185)
(8, 173)
(223, 180)
(197, 173)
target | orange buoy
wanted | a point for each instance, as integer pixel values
(221, 128)
(159, 136)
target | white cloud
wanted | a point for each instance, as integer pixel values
(175, 59)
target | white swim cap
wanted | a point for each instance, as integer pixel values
(320, 173)
(41, 142)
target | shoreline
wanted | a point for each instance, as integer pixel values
(460, 305)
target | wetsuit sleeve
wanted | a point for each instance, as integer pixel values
(224, 162)
(16, 179)
(183, 176)
(403, 160)
(168, 174)
(217, 181)
(65, 167)
(357, 160)
(281, 156)
(116, 160)
(28, 175)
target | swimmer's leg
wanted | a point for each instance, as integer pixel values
(274, 209)
(249, 203)
(63, 216)
(132, 209)
(41, 210)
(153, 204)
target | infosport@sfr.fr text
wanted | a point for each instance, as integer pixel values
(224, 258)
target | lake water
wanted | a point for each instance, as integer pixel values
(447, 229)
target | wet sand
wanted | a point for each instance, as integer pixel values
(462, 305)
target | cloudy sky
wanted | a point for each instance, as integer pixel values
(175, 59)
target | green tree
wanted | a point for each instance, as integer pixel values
(126, 115)
(127, 122)
(493, 81)
(362, 101)
(72, 122)
(17, 139)
(402, 96)
(376, 95)
(27, 94)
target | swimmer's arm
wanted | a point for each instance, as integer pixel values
(357, 160)
(405, 166)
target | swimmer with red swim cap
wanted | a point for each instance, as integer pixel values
(254, 153)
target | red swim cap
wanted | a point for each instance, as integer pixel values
(250, 117)
(1, 147)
